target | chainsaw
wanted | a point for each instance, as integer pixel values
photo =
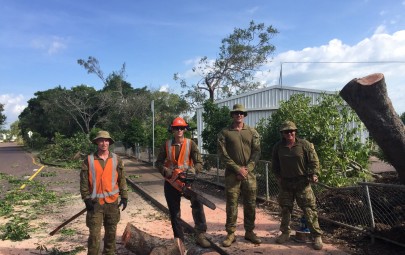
(180, 182)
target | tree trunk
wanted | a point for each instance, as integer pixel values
(368, 98)
(141, 243)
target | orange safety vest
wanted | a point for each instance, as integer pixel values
(104, 182)
(184, 161)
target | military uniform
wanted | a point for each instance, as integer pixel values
(295, 165)
(237, 149)
(105, 211)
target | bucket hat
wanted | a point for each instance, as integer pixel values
(239, 108)
(288, 125)
(103, 134)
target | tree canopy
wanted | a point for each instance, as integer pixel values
(2, 116)
(215, 120)
(241, 55)
(329, 126)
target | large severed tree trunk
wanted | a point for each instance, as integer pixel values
(368, 98)
(142, 243)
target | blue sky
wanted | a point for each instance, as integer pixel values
(41, 41)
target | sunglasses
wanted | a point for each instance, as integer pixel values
(238, 113)
(178, 128)
(288, 131)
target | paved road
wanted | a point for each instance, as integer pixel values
(16, 161)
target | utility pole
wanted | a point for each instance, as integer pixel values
(152, 106)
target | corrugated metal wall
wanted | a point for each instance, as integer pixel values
(259, 104)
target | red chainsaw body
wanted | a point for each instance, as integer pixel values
(175, 180)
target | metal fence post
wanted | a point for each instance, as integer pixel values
(370, 208)
(267, 182)
(217, 169)
(149, 155)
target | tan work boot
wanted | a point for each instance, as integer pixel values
(318, 245)
(251, 236)
(283, 238)
(202, 240)
(230, 238)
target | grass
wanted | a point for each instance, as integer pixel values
(22, 206)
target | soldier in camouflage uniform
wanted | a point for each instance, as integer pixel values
(295, 165)
(239, 148)
(102, 181)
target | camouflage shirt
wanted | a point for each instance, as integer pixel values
(300, 160)
(239, 148)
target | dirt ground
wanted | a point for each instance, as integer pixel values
(350, 241)
(139, 213)
(72, 239)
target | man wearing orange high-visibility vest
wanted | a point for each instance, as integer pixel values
(182, 153)
(102, 182)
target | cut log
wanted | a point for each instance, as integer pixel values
(142, 243)
(368, 97)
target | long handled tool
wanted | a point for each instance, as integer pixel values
(68, 221)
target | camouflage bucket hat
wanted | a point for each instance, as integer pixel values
(103, 134)
(239, 108)
(288, 125)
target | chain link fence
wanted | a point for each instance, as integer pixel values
(374, 208)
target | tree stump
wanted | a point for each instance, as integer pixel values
(368, 97)
(142, 243)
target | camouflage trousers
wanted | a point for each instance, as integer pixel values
(109, 216)
(299, 190)
(248, 190)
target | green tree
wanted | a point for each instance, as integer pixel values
(14, 129)
(93, 67)
(43, 116)
(135, 134)
(168, 106)
(161, 135)
(327, 125)
(2, 116)
(215, 119)
(84, 105)
(403, 117)
(241, 55)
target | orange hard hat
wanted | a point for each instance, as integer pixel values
(179, 122)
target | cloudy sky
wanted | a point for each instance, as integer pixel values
(322, 44)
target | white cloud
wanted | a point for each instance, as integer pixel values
(332, 66)
(51, 45)
(164, 88)
(380, 30)
(13, 106)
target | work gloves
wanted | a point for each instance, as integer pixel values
(167, 172)
(124, 203)
(89, 204)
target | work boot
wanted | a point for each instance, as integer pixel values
(251, 236)
(230, 238)
(283, 238)
(202, 240)
(318, 243)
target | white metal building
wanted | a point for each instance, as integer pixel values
(259, 104)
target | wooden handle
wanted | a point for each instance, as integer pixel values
(68, 221)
